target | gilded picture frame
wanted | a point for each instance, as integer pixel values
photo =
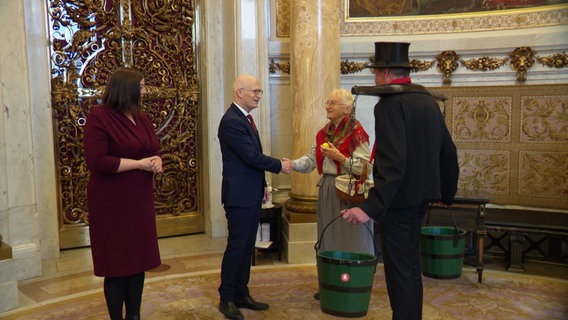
(490, 20)
(538, 16)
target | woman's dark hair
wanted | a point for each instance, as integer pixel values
(123, 91)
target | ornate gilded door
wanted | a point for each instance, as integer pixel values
(90, 39)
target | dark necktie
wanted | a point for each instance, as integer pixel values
(252, 123)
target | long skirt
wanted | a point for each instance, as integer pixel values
(340, 235)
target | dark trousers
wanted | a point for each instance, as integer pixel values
(242, 223)
(400, 235)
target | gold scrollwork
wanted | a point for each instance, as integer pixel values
(522, 59)
(447, 64)
(558, 61)
(89, 39)
(484, 63)
(348, 67)
(420, 65)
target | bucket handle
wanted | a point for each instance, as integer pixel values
(453, 220)
(318, 243)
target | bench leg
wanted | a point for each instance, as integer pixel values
(480, 265)
(516, 252)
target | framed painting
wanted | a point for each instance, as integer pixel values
(386, 17)
(403, 17)
(389, 8)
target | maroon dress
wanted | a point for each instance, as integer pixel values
(122, 219)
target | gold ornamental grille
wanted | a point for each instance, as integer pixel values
(89, 40)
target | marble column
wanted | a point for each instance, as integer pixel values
(314, 73)
(28, 201)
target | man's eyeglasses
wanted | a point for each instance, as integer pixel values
(257, 92)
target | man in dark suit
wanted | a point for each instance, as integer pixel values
(243, 191)
(415, 163)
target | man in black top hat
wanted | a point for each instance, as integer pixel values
(415, 163)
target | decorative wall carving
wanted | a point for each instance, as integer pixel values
(512, 142)
(544, 119)
(484, 172)
(348, 67)
(544, 174)
(521, 60)
(484, 63)
(559, 60)
(420, 65)
(482, 119)
(447, 63)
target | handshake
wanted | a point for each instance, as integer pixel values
(286, 166)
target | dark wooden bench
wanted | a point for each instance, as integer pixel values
(516, 233)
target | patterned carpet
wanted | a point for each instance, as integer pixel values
(289, 290)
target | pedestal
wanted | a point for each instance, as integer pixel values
(298, 240)
(272, 216)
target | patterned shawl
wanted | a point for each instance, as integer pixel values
(347, 136)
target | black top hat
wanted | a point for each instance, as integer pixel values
(391, 55)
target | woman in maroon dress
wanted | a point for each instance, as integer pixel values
(122, 155)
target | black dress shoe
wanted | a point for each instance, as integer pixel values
(249, 303)
(230, 310)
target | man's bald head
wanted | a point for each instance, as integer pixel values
(245, 88)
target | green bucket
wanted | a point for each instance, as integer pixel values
(442, 252)
(345, 282)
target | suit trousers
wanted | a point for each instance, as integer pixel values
(400, 235)
(242, 223)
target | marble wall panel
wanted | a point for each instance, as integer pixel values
(24, 226)
(27, 260)
(8, 286)
(281, 128)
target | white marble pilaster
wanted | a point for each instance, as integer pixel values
(212, 47)
(39, 76)
(18, 173)
(232, 41)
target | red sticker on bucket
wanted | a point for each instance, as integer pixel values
(345, 277)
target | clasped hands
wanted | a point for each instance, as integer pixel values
(153, 164)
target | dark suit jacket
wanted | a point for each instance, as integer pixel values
(415, 157)
(244, 163)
